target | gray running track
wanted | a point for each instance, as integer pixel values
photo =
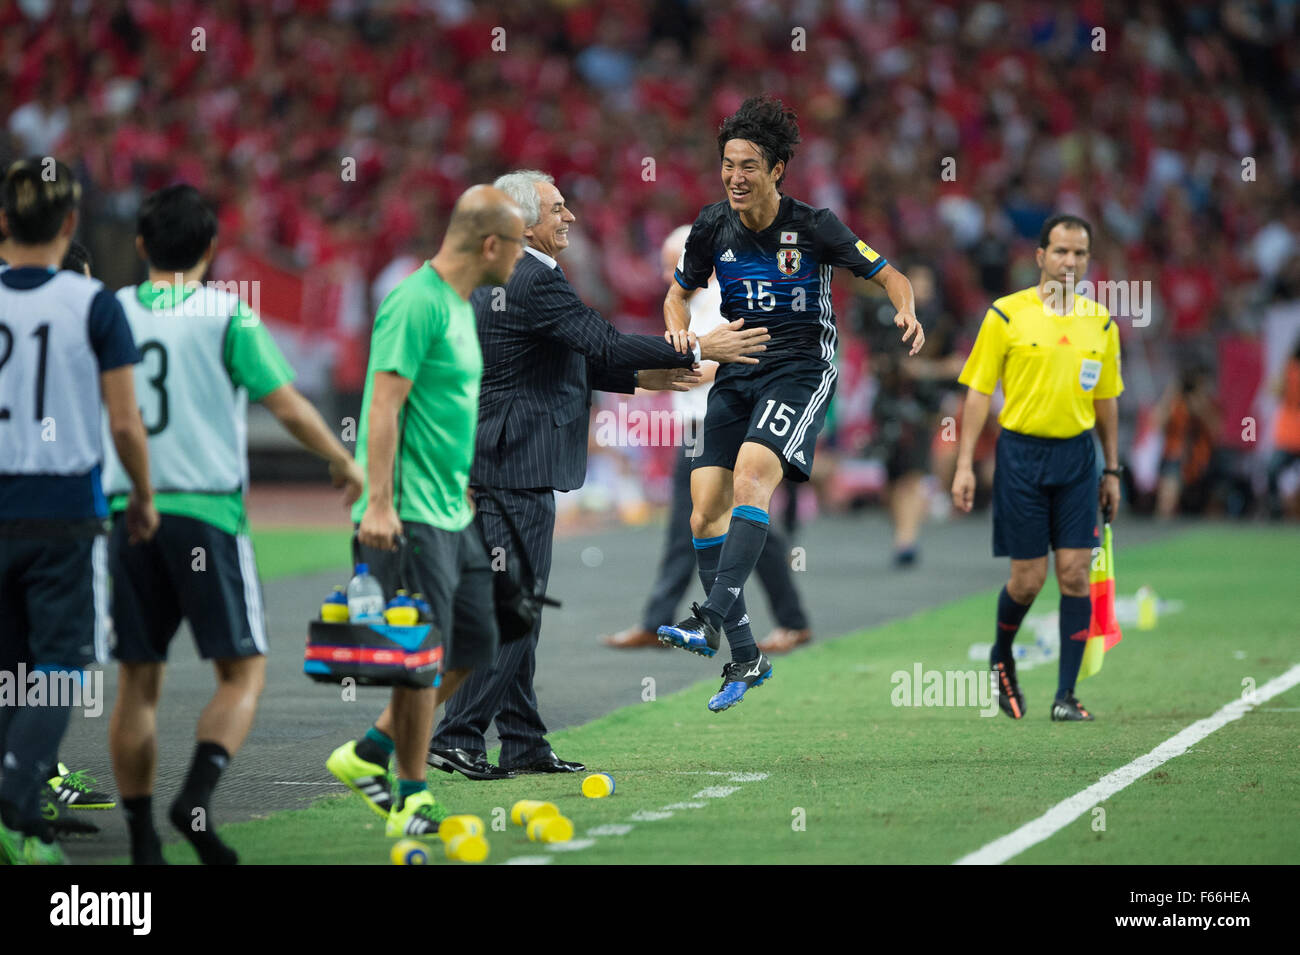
(603, 579)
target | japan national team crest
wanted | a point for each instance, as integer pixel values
(787, 260)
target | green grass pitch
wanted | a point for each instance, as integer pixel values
(851, 778)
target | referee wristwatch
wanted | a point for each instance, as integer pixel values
(1114, 472)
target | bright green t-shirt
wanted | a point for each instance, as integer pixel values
(425, 332)
(255, 363)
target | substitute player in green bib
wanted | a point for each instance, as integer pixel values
(1057, 356)
(418, 418)
(204, 355)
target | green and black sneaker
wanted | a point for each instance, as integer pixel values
(77, 791)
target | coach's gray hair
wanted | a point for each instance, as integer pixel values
(521, 186)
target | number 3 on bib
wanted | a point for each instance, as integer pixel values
(781, 421)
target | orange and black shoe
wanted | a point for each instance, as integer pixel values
(1068, 709)
(1010, 698)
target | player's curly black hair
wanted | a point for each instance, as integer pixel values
(767, 123)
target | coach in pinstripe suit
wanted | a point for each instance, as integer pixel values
(544, 351)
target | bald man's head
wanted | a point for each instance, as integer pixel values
(483, 211)
(485, 234)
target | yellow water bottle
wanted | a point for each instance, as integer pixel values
(335, 607)
(1148, 608)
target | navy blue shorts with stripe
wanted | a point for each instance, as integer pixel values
(780, 404)
(1044, 494)
(190, 570)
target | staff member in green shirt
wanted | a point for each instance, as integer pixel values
(418, 419)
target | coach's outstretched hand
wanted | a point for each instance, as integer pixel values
(733, 343)
(668, 379)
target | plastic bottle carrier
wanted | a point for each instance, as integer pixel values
(375, 654)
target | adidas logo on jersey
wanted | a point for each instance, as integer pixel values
(798, 456)
(734, 591)
(727, 256)
(743, 622)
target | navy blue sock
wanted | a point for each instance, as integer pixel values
(740, 552)
(707, 552)
(1076, 615)
(31, 751)
(1010, 615)
(739, 637)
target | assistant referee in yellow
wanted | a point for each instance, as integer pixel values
(1057, 357)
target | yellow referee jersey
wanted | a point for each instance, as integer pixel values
(1051, 366)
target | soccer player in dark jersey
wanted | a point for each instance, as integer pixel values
(773, 256)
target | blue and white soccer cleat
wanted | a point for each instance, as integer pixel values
(694, 634)
(737, 678)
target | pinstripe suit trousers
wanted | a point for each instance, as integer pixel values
(504, 691)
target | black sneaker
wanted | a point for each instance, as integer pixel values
(737, 678)
(694, 634)
(77, 790)
(1010, 699)
(1068, 709)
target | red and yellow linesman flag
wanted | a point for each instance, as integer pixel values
(1103, 629)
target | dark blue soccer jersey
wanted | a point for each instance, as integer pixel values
(779, 278)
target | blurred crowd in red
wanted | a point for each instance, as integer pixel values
(336, 133)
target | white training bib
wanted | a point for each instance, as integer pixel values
(49, 378)
(195, 416)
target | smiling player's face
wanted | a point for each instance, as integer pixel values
(746, 177)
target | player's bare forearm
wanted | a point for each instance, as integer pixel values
(117, 388)
(386, 400)
(1107, 411)
(974, 414)
(677, 318)
(677, 311)
(301, 419)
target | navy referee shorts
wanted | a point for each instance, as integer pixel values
(1044, 494)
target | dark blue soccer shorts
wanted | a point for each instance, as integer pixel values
(780, 404)
(1044, 494)
(190, 570)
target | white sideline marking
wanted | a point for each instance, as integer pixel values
(611, 829)
(649, 815)
(276, 783)
(1064, 813)
(686, 805)
(529, 860)
(716, 792)
(573, 845)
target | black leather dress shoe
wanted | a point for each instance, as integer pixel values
(549, 763)
(473, 766)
